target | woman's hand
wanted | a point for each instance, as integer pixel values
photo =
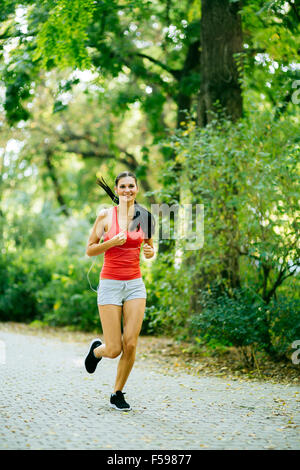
(148, 250)
(119, 239)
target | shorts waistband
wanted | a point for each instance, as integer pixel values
(123, 282)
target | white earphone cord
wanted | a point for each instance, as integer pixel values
(88, 275)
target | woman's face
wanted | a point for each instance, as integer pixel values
(127, 188)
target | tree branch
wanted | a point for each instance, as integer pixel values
(176, 73)
(130, 162)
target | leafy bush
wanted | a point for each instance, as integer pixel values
(152, 323)
(238, 319)
(243, 319)
(285, 323)
(167, 298)
(34, 286)
(21, 276)
(66, 300)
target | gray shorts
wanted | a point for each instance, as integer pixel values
(115, 292)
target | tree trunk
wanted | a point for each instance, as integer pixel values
(58, 194)
(221, 39)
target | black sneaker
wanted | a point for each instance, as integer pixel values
(91, 360)
(117, 401)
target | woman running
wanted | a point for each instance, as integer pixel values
(121, 290)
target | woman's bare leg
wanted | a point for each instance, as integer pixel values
(110, 316)
(133, 315)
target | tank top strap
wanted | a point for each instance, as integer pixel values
(115, 219)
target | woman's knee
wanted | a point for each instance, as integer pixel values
(113, 351)
(129, 346)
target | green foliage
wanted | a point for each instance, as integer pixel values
(245, 174)
(32, 230)
(238, 319)
(168, 295)
(241, 318)
(17, 91)
(271, 34)
(110, 39)
(284, 315)
(247, 177)
(21, 276)
(49, 289)
(66, 299)
(61, 40)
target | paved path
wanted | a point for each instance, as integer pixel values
(48, 401)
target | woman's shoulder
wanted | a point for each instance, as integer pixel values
(103, 221)
(103, 213)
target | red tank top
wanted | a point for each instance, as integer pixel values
(122, 262)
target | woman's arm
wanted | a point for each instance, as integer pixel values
(148, 248)
(93, 246)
